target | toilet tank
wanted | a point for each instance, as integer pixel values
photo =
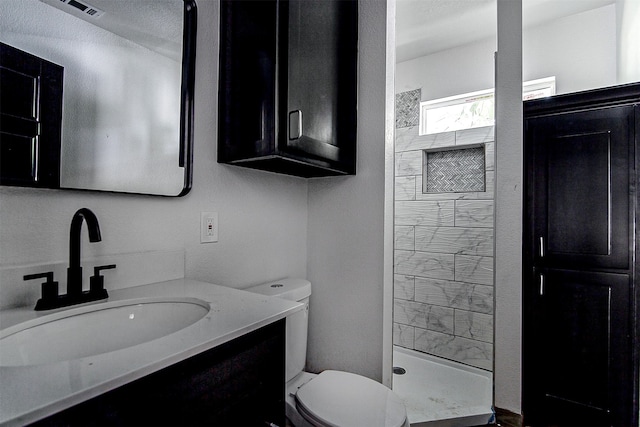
(297, 324)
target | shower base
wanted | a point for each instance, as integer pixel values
(442, 393)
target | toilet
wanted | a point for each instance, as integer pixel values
(331, 398)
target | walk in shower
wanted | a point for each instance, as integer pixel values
(443, 211)
(443, 281)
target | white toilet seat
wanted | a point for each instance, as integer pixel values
(342, 399)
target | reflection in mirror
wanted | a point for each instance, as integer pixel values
(128, 71)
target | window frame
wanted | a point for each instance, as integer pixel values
(532, 89)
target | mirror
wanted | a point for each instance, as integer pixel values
(126, 119)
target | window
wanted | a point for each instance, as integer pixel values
(475, 109)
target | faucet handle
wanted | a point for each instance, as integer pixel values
(96, 282)
(48, 275)
(97, 269)
(49, 288)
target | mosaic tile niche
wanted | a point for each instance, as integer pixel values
(454, 171)
(408, 108)
(443, 281)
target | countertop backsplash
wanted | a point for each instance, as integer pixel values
(132, 269)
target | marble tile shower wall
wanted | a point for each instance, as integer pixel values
(443, 283)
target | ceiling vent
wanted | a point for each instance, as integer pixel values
(85, 8)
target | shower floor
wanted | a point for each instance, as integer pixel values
(441, 393)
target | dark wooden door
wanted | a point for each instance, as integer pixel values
(580, 355)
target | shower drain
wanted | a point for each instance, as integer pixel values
(399, 371)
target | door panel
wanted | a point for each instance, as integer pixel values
(585, 159)
(581, 177)
(577, 323)
(582, 343)
(247, 99)
(322, 79)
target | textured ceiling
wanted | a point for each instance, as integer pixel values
(155, 24)
(427, 26)
(422, 26)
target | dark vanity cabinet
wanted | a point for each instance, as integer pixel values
(581, 297)
(239, 383)
(288, 86)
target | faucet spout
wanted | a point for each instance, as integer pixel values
(75, 295)
(74, 272)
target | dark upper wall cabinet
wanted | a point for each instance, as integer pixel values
(288, 88)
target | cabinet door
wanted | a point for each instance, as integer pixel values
(30, 119)
(578, 355)
(247, 92)
(238, 383)
(578, 351)
(320, 120)
(581, 180)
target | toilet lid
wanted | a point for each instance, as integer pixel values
(342, 399)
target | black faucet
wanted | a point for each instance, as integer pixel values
(74, 272)
(75, 295)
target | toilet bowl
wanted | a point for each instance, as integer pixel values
(331, 398)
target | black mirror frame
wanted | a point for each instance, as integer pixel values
(190, 20)
(187, 92)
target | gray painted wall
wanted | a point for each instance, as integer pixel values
(563, 48)
(271, 226)
(346, 244)
(508, 209)
(263, 216)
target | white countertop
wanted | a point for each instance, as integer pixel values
(30, 393)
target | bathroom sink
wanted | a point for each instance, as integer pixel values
(96, 329)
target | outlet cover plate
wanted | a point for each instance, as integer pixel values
(208, 227)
